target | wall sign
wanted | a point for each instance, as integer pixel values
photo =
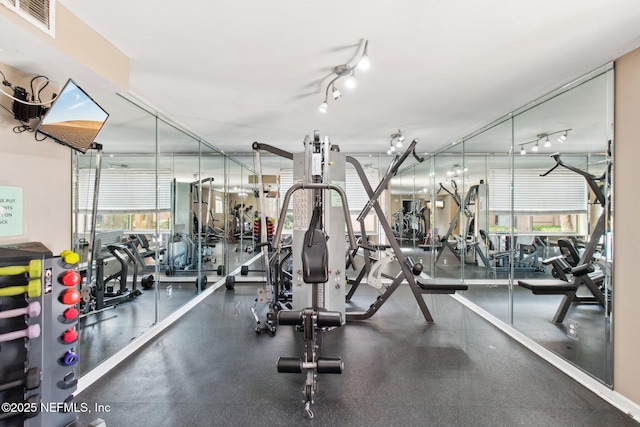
(11, 204)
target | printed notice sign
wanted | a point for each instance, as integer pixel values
(10, 211)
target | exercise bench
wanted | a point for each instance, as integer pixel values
(582, 275)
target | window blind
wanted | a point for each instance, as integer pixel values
(560, 192)
(125, 190)
(356, 195)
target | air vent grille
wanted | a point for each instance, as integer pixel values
(41, 13)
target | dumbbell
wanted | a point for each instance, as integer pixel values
(33, 270)
(32, 402)
(245, 270)
(31, 331)
(30, 381)
(33, 289)
(416, 267)
(32, 310)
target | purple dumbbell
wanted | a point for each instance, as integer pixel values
(32, 331)
(32, 310)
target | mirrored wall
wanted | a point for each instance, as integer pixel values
(521, 210)
(157, 233)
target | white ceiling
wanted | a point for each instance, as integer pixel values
(243, 71)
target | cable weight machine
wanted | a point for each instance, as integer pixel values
(320, 215)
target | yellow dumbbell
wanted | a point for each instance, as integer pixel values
(69, 257)
(33, 270)
(33, 289)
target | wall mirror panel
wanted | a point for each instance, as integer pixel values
(210, 208)
(450, 223)
(113, 310)
(523, 214)
(562, 188)
(183, 254)
(243, 206)
(487, 271)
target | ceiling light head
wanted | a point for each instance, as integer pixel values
(563, 137)
(351, 81)
(522, 150)
(324, 107)
(335, 92)
(547, 143)
(398, 138)
(535, 147)
(365, 63)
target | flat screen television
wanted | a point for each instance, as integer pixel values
(74, 119)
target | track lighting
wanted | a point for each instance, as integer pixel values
(395, 141)
(349, 72)
(543, 137)
(455, 172)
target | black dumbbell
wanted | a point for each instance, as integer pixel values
(30, 381)
(245, 270)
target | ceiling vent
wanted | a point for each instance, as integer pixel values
(40, 13)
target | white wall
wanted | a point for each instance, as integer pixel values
(42, 169)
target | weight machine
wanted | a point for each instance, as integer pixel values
(460, 249)
(584, 272)
(321, 212)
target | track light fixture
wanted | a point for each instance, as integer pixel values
(395, 142)
(543, 137)
(349, 73)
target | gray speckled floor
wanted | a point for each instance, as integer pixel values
(211, 369)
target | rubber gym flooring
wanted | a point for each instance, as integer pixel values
(211, 369)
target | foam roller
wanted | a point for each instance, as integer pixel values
(329, 318)
(290, 365)
(330, 365)
(290, 317)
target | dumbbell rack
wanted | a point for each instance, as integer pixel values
(47, 402)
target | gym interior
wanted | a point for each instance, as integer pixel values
(177, 283)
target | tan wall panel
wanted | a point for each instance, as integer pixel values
(626, 309)
(77, 40)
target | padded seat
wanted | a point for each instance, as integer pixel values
(547, 287)
(441, 286)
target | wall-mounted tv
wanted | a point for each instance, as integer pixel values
(74, 119)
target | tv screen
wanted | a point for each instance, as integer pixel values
(74, 119)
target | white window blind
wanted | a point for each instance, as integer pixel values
(560, 192)
(356, 195)
(125, 190)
